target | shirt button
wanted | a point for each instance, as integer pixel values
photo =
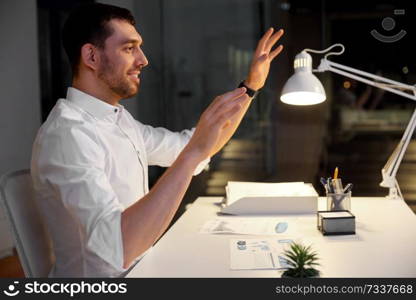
(115, 110)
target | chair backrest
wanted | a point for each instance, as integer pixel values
(32, 240)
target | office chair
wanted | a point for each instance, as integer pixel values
(31, 237)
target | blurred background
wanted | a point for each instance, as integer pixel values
(198, 49)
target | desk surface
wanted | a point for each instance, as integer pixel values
(384, 244)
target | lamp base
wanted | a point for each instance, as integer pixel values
(395, 193)
(394, 198)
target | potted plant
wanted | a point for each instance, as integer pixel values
(301, 260)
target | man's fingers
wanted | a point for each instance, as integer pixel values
(275, 52)
(263, 41)
(227, 105)
(275, 37)
(227, 97)
(234, 94)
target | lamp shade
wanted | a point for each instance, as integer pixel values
(303, 87)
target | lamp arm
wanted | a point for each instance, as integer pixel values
(394, 86)
(391, 167)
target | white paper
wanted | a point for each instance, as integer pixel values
(236, 190)
(258, 254)
(251, 226)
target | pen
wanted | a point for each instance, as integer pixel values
(336, 173)
(337, 186)
(328, 184)
(323, 182)
(348, 188)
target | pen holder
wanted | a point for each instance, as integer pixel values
(336, 202)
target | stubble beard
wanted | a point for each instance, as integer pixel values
(117, 83)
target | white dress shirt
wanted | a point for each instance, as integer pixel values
(90, 162)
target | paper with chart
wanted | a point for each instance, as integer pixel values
(251, 226)
(258, 254)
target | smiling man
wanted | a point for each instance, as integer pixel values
(90, 157)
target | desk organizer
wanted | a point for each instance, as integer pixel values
(338, 202)
(339, 222)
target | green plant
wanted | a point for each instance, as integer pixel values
(301, 260)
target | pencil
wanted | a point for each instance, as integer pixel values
(336, 173)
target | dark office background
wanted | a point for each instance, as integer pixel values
(198, 49)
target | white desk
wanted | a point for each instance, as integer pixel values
(384, 244)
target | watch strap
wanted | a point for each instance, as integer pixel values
(249, 91)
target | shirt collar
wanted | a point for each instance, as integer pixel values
(94, 106)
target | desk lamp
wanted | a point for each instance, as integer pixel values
(304, 88)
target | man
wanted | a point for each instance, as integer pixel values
(90, 158)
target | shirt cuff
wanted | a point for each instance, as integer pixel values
(106, 240)
(203, 165)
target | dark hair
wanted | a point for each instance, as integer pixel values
(88, 24)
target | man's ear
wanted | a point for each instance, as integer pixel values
(90, 56)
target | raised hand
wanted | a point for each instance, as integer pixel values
(263, 56)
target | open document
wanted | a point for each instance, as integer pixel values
(250, 226)
(258, 254)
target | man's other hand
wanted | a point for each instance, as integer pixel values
(263, 56)
(212, 129)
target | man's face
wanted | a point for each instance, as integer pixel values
(122, 59)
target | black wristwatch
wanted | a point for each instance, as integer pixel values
(250, 92)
